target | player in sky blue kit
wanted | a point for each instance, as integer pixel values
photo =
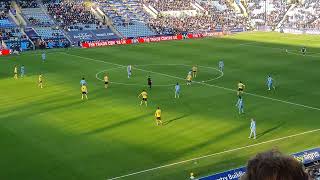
(83, 82)
(253, 129)
(129, 70)
(43, 56)
(221, 65)
(177, 91)
(240, 105)
(22, 71)
(270, 83)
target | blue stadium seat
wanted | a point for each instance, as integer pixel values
(6, 23)
(38, 14)
(48, 33)
(127, 12)
(138, 29)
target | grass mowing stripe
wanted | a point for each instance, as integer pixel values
(214, 154)
(203, 83)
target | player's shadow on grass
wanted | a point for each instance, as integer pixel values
(270, 130)
(116, 125)
(175, 119)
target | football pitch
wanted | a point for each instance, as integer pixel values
(51, 134)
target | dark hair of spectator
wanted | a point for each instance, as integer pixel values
(273, 165)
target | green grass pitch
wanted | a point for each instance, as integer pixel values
(50, 134)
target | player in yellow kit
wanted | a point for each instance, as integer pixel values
(144, 96)
(84, 91)
(194, 71)
(189, 79)
(157, 114)
(40, 81)
(241, 87)
(15, 72)
(106, 81)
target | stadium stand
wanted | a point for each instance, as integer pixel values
(210, 16)
(5, 21)
(274, 9)
(40, 26)
(169, 5)
(28, 4)
(48, 32)
(136, 29)
(256, 11)
(304, 16)
(128, 17)
(11, 36)
(68, 14)
(36, 17)
(174, 25)
(140, 18)
(77, 20)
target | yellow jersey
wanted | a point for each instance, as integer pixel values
(194, 69)
(15, 70)
(158, 113)
(40, 78)
(106, 79)
(144, 95)
(189, 77)
(241, 86)
(84, 88)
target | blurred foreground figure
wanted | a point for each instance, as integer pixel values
(273, 165)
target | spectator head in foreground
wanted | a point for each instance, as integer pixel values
(273, 165)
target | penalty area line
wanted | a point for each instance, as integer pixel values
(214, 154)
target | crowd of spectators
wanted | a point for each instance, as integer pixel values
(209, 20)
(173, 25)
(304, 16)
(3, 15)
(256, 11)
(71, 13)
(170, 5)
(276, 11)
(11, 34)
(269, 14)
(123, 12)
(231, 20)
(28, 4)
(314, 171)
(34, 21)
(4, 7)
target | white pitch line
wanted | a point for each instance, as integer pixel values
(127, 84)
(214, 154)
(211, 85)
(287, 37)
(311, 54)
(251, 44)
(164, 85)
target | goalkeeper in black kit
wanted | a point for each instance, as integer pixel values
(149, 82)
(304, 51)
